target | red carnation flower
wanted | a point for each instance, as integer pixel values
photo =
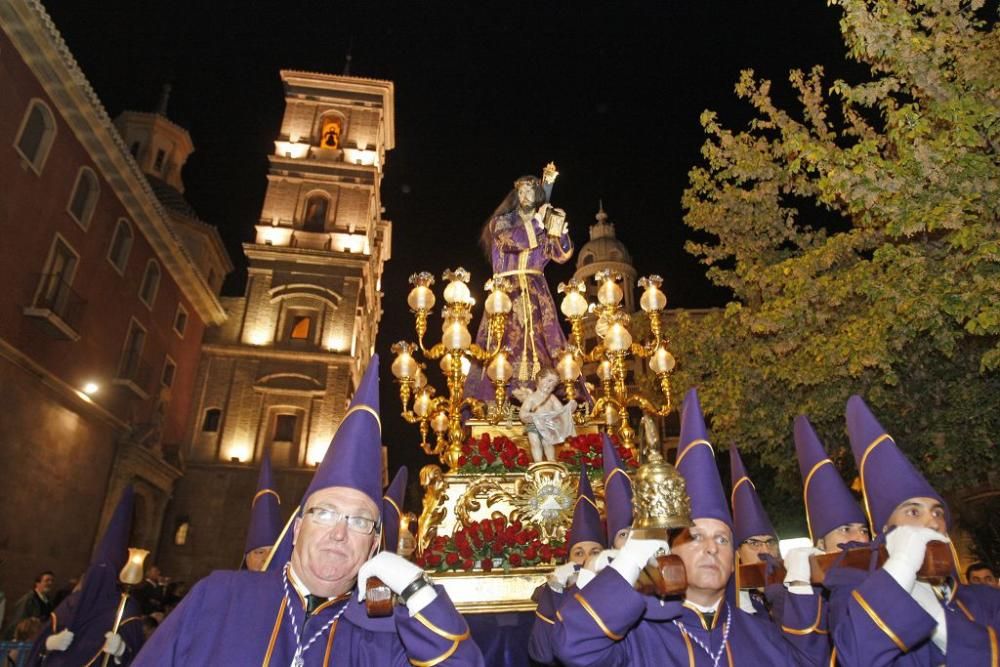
(487, 530)
(530, 553)
(515, 559)
(484, 447)
(522, 459)
(477, 460)
(468, 564)
(490, 458)
(465, 550)
(462, 460)
(486, 564)
(546, 552)
(434, 560)
(451, 558)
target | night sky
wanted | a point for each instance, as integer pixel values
(485, 92)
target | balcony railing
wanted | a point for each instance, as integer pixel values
(56, 303)
(135, 375)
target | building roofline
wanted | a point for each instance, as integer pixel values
(43, 49)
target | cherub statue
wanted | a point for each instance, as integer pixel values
(434, 512)
(548, 422)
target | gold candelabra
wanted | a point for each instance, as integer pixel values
(615, 347)
(456, 351)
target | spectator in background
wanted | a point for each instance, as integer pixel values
(981, 573)
(150, 593)
(63, 592)
(149, 624)
(25, 632)
(33, 604)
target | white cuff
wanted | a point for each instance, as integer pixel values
(625, 567)
(800, 589)
(421, 599)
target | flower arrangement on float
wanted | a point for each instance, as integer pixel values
(488, 544)
(492, 454)
(589, 449)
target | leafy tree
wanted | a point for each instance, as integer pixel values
(859, 234)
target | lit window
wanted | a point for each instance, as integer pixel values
(300, 327)
(84, 198)
(38, 131)
(169, 370)
(180, 320)
(150, 283)
(314, 219)
(284, 428)
(210, 423)
(181, 534)
(121, 246)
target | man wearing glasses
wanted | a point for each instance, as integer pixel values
(307, 607)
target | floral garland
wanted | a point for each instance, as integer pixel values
(479, 543)
(589, 449)
(496, 454)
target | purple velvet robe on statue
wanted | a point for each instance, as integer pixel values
(612, 625)
(520, 252)
(239, 618)
(875, 622)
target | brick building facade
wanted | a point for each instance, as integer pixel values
(102, 313)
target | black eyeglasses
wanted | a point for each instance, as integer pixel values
(324, 516)
(761, 544)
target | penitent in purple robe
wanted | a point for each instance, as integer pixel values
(540, 643)
(519, 253)
(242, 618)
(89, 619)
(875, 622)
(610, 624)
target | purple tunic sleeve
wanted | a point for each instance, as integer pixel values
(591, 623)
(875, 622)
(437, 635)
(540, 643)
(514, 238)
(802, 619)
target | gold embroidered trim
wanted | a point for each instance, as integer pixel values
(597, 619)
(274, 632)
(434, 661)
(691, 445)
(812, 628)
(264, 492)
(994, 653)
(805, 496)
(438, 631)
(690, 648)
(861, 473)
(879, 622)
(544, 618)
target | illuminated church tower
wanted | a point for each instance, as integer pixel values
(276, 379)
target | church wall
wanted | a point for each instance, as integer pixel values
(56, 457)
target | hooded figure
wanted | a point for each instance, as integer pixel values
(754, 536)
(887, 616)
(611, 624)
(77, 631)
(307, 608)
(617, 496)
(392, 509)
(265, 520)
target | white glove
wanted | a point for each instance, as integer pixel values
(928, 601)
(798, 571)
(558, 580)
(584, 577)
(597, 563)
(60, 641)
(114, 645)
(634, 556)
(906, 546)
(397, 573)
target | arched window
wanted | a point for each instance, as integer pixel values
(314, 219)
(38, 131)
(331, 129)
(150, 283)
(121, 246)
(84, 198)
(586, 259)
(210, 423)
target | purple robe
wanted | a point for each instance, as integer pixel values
(540, 644)
(610, 624)
(241, 618)
(88, 622)
(520, 252)
(803, 620)
(875, 622)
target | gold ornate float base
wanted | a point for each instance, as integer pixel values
(493, 592)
